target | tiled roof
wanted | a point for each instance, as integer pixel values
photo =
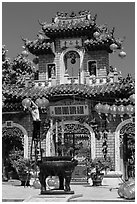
(68, 26)
(118, 90)
(96, 37)
(39, 47)
(117, 93)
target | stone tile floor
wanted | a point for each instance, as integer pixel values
(13, 192)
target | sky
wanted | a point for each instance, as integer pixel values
(21, 19)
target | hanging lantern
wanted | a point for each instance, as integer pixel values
(26, 103)
(113, 47)
(45, 102)
(36, 60)
(39, 102)
(121, 110)
(96, 34)
(122, 54)
(132, 98)
(130, 110)
(105, 109)
(99, 108)
(25, 53)
(73, 60)
(113, 110)
(36, 184)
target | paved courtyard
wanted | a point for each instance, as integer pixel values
(82, 193)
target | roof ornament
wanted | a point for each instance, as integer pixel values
(72, 14)
(112, 32)
(41, 23)
(24, 39)
(95, 17)
(58, 14)
(40, 37)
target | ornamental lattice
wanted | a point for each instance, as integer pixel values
(127, 141)
(13, 132)
(73, 128)
(128, 129)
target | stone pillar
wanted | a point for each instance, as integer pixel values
(56, 137)
(52, 145)
(62, 136)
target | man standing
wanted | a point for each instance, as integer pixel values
(36, 120)
(36, 127)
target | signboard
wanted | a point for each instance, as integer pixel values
(69, 110)
(70, 43)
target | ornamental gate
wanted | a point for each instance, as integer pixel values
(12, 140)
(127, 146)
(12, 137)
(76, 143)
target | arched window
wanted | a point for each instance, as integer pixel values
(92, 66)
(72, 63)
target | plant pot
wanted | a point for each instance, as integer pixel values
(25, 183)
(97, 182)
(25, 180)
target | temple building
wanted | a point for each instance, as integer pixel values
(86, 107)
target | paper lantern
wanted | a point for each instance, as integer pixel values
(36, 184)
(132, 98)
(121, 110)
(96, 34)
(53, 182)
(99, 108)
(113, 110)
(122, 54)
(39, 102)
(130, 110)
(127, 189)
(25, 53)
(45, 102)
(106, 109)
(36, 60)
(26, 103)
(113, 46)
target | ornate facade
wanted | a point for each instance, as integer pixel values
(74, 75)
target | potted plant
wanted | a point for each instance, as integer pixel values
(22, 166)
(96, 167)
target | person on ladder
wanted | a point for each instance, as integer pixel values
(36, 128)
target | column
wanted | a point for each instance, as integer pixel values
(56, 150)
(62, 137)
(52, 147)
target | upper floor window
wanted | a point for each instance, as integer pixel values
(72, 63)
(92, 66)
(51, 70)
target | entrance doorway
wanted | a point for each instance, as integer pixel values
(127, 136)
(12, 140)
(77, 144)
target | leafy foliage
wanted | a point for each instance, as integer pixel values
(6, 67)
(15, 72)
(99, 164)
(18, 161)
